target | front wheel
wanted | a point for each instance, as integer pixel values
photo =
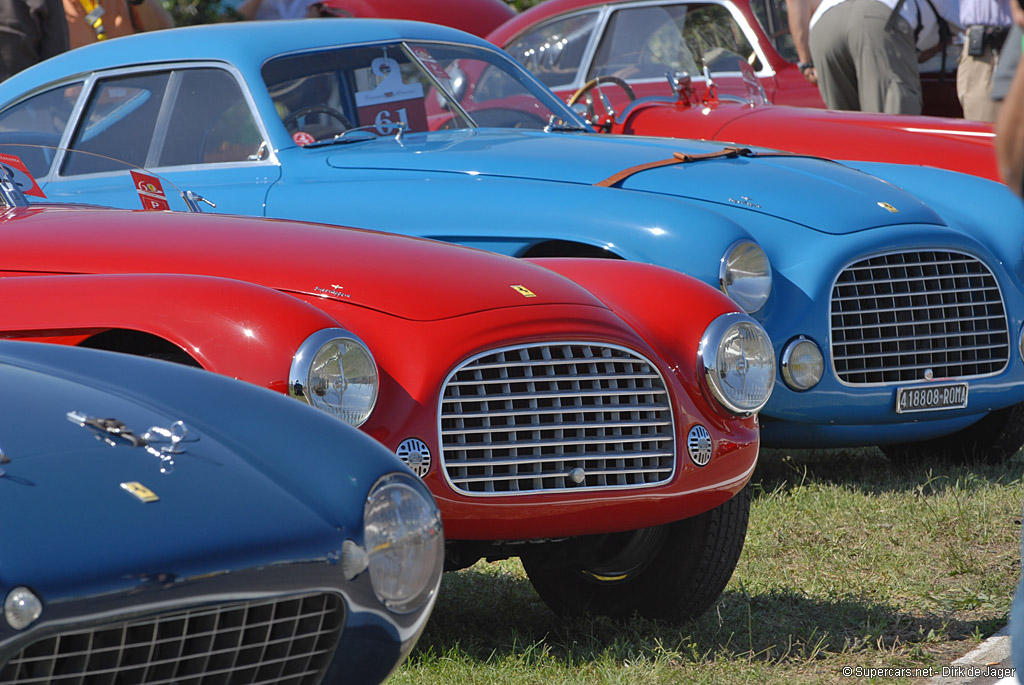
(992, 440)
(672, 572)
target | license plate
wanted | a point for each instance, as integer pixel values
(931, 398)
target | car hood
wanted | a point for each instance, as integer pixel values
(407, 277)
(71, 524)
(827, 196)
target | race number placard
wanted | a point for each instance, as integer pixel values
(391, 101)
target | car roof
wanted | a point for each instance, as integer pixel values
(245, 44)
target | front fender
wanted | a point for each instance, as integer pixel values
(229, 327)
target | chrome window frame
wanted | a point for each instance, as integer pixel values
(88, 89)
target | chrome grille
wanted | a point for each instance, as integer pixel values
(556, 416)
(898, 315)
(283, 640)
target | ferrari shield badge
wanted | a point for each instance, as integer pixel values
(523, 290)
(888, 207)
(139, 491)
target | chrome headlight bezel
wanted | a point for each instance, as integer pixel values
(404, 541)
(302, 384)
(745, 275)
(719, 335)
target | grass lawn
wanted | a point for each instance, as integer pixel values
(850, 561)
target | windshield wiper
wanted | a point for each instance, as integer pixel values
(559, 125)
(359, 134)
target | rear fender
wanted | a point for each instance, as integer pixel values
(229, 327)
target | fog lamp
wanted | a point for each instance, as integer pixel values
(802, 363)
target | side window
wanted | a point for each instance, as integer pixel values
(32, 129)
(117, 126)
(650, 42)
(713, 33)
(209, 122)
(774, 20)
(646, 43)
(554, 51)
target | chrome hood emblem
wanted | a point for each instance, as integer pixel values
(162, 443)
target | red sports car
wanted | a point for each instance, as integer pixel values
(639, 66)
(553, 402)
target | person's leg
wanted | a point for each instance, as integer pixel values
(886, 59)
(974, 83)
(835, 67)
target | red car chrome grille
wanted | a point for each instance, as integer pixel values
(557, 416)
(282, 640)
(897, 316)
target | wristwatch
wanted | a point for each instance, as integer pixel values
(802, 66)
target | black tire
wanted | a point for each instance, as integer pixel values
(672, 572)
(993, 440)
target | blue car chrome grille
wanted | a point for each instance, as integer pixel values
(282, 640)
(897, 316)
(558, 416)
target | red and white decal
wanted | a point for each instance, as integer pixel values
(151, 192)
(303, 138)
(15, 169)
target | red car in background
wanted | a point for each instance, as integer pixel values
(478, 17)
(639, 66)
(553, 403)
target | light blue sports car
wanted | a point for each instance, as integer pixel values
(892, 293)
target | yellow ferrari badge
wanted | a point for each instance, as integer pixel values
(888, 207)
(140, 491)
(523, 290)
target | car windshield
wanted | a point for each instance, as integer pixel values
(407, 87)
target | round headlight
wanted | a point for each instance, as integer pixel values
(404, 543)
(802, 363)
(22, 608)
(738, 362)
(1020, 343)
(335, 372)
(745, 275)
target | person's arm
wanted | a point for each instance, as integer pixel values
(1009, 124)
(799, 16)
(150, 15)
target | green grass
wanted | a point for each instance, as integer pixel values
(850, 561)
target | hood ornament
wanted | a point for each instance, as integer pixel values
(162, 443)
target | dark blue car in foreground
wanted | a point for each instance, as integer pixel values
(167, 525)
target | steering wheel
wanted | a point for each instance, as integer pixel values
(595, 83)
(318, 109)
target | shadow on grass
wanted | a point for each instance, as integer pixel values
(485, 617)
(869, 471)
